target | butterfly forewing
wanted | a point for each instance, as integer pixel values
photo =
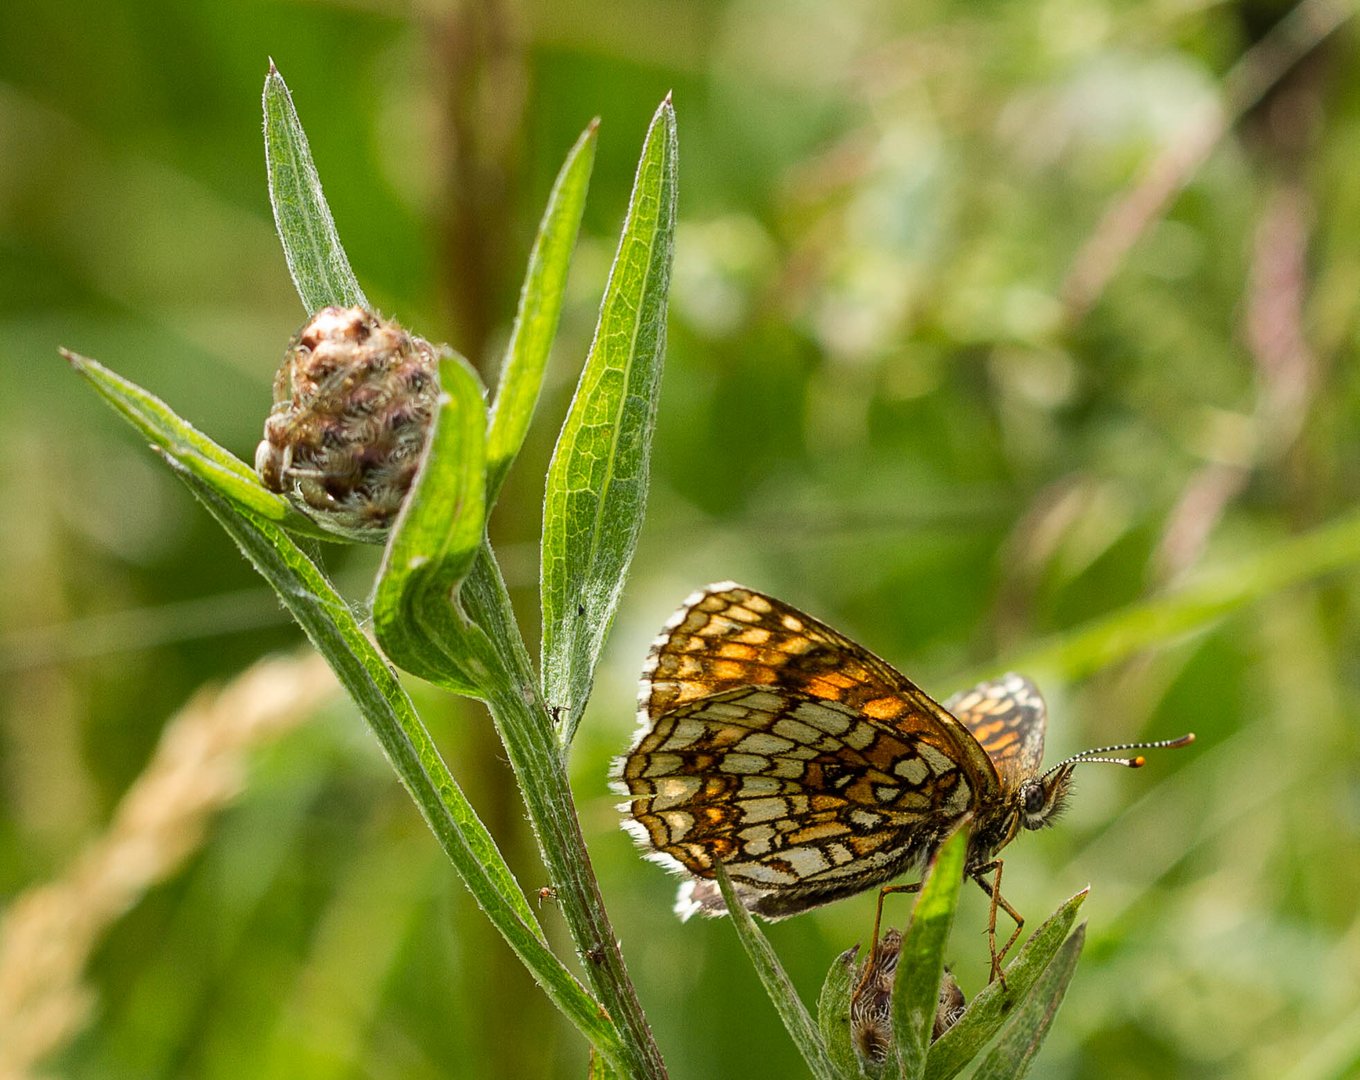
(728, 636)
(808, 766)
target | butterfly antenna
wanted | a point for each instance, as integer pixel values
(1099, 753)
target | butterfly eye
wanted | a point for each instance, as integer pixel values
(1033, 796)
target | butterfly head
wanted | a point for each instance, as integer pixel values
(1042, 798)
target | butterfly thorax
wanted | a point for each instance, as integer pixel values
(993, 828)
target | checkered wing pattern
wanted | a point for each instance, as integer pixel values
(809, 767)
(1007, 717)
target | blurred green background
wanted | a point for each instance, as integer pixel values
(920, 383)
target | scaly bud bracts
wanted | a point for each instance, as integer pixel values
(871, 1004)
(353, 404)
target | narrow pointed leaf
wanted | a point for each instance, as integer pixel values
(436, 537)
(318, 264)
(232, 478)
(1015, 1050)
(597, 482)
(988, 1011)
(777, 984)
(332, 628)
(540, 306)
(833, 1014)
(599, 1068)
(920, 966)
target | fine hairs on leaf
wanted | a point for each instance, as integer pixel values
(805, 1034)
(921, 962)
(833, 1014)
(993, 1004)
(597, 481)
(1019, 1043)
(438, 533)
(318, 264)
(540, 307)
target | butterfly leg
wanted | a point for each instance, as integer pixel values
(878, 919)
(878, 914)
(993, 890)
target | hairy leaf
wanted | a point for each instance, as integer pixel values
(597, 482)
(540, 306)
(777, 983)
(920, 966)
(437, 535)
(316, 261)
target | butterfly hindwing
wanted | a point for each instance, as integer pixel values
(1007, 716)
(799, 798)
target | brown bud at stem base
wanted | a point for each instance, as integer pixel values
(871, 1004)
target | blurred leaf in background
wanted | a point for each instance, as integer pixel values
(988, 321)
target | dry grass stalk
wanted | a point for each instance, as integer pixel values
(199, 767)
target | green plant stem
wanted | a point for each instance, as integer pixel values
(805, 1034)
(538, 759)
(374, 687)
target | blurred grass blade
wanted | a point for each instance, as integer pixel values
(597, 482)
(1141, 626)
(985, 1013)
(833, 1014)
(1015, 1050)
(920, 966)
(777, 983)
(1333, 1056)
(332, 628)
(435, 539)
(316, 261)
(223, 471)
(540, 306)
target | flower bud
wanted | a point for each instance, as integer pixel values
(871, 1003)
(353, 404)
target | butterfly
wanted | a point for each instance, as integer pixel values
(813, 770)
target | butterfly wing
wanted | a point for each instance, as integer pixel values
(727, 636)
(1007, 717)
(809, 767)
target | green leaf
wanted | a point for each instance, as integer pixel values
(316, 261)
(920, 966)
(597, 482)
(232, 478)
(598, 1068)
(1015, 1050)
(833, 1014)
(777, 983)
(540, 306)
(332, 628)
(989, 1010)
(436, 537)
